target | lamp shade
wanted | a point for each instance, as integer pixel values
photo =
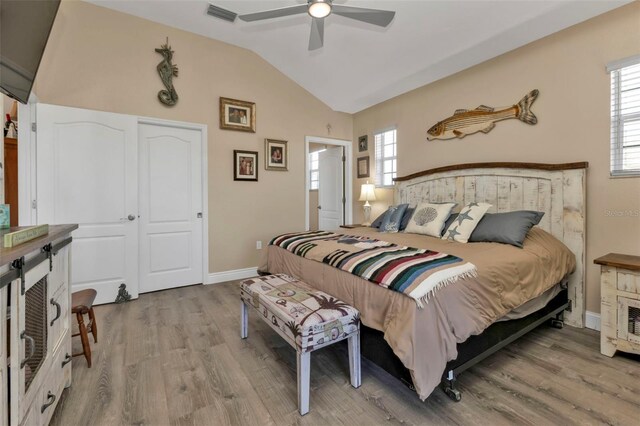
(367, 192)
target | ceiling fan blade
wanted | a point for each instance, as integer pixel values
(274, 13)
(316, 39)
(382, 18)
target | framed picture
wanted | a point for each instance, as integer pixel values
(237, 115)
(363, 143)
(276, 155)
(363, 167)
(245, 165)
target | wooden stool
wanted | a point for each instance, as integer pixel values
(82, 303)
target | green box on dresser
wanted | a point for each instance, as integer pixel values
(5, 217)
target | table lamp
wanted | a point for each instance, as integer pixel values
(367, 193)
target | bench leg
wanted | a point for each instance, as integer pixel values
(354, 359)
(304, 373)
(244, 320)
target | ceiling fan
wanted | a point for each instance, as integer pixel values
(320, 9)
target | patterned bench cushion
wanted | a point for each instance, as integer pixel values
(306, 317)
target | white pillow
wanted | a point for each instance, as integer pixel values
(429, 219)
(462, 227)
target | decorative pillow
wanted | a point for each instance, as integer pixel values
(376, 223)
(407, 216)
(449, 221)
(429, 218)
(466, 222)
(507, 228)
(391, 220)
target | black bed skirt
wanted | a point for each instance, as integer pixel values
(378, 351)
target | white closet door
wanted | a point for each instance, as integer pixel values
(171, 231)
(87, 174)
(330, 189)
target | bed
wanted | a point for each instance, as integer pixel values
(465, 321)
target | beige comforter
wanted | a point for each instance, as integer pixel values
(425, 339)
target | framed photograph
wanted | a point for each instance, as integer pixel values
(363, 167)
(276, 155)
(245, 165)
(237, 115)
(363, 143)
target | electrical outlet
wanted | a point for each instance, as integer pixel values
(258, 245)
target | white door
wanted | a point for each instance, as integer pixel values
(171, 231)
(87, 165)
(330, 189)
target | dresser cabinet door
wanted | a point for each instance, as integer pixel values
(59, 300)
(629, 320)
(59, 312)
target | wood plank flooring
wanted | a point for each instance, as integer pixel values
(175, 357)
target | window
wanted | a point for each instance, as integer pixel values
(625, 117)
(313, 169)
(386, 154)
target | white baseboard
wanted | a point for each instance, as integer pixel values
(235, 274)
(592, 321)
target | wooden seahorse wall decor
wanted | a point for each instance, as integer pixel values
(167, 71)
(482, 119)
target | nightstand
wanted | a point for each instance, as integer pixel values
(620, 303)
(353, 226)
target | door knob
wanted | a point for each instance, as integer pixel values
(319, 207)
(131, 217)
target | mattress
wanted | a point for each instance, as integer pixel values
(425, 339)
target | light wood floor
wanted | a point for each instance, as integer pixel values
(175, 357)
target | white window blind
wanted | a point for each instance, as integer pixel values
(386, 157)
(625, 118)
(313, 169)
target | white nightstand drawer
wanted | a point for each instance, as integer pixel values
(629, 281)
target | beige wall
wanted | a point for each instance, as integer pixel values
(573, 111)
(104, 60)
(313, 210)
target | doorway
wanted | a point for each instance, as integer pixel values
(328, 191)
(9, 161)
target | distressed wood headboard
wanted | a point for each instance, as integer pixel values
(558, 190)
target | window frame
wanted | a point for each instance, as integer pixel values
(618, 120)
(380, 158)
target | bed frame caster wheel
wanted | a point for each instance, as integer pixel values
(454, 394)
(555, 323)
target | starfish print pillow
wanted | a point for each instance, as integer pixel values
(462, 227)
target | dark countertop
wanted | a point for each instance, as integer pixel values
(8, 255)
(617, 260)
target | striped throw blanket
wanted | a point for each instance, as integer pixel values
(417, 273)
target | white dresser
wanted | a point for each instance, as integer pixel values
(35, 334)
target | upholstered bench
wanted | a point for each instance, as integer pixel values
(306, 318)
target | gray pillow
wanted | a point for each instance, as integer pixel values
(376, 223)
(391, 220)
(507, 228)
(407, 217)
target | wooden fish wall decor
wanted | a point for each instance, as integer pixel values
(167, 70)
(483, 119)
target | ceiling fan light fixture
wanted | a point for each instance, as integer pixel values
(319, 8)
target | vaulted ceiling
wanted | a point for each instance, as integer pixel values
(361, 65)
